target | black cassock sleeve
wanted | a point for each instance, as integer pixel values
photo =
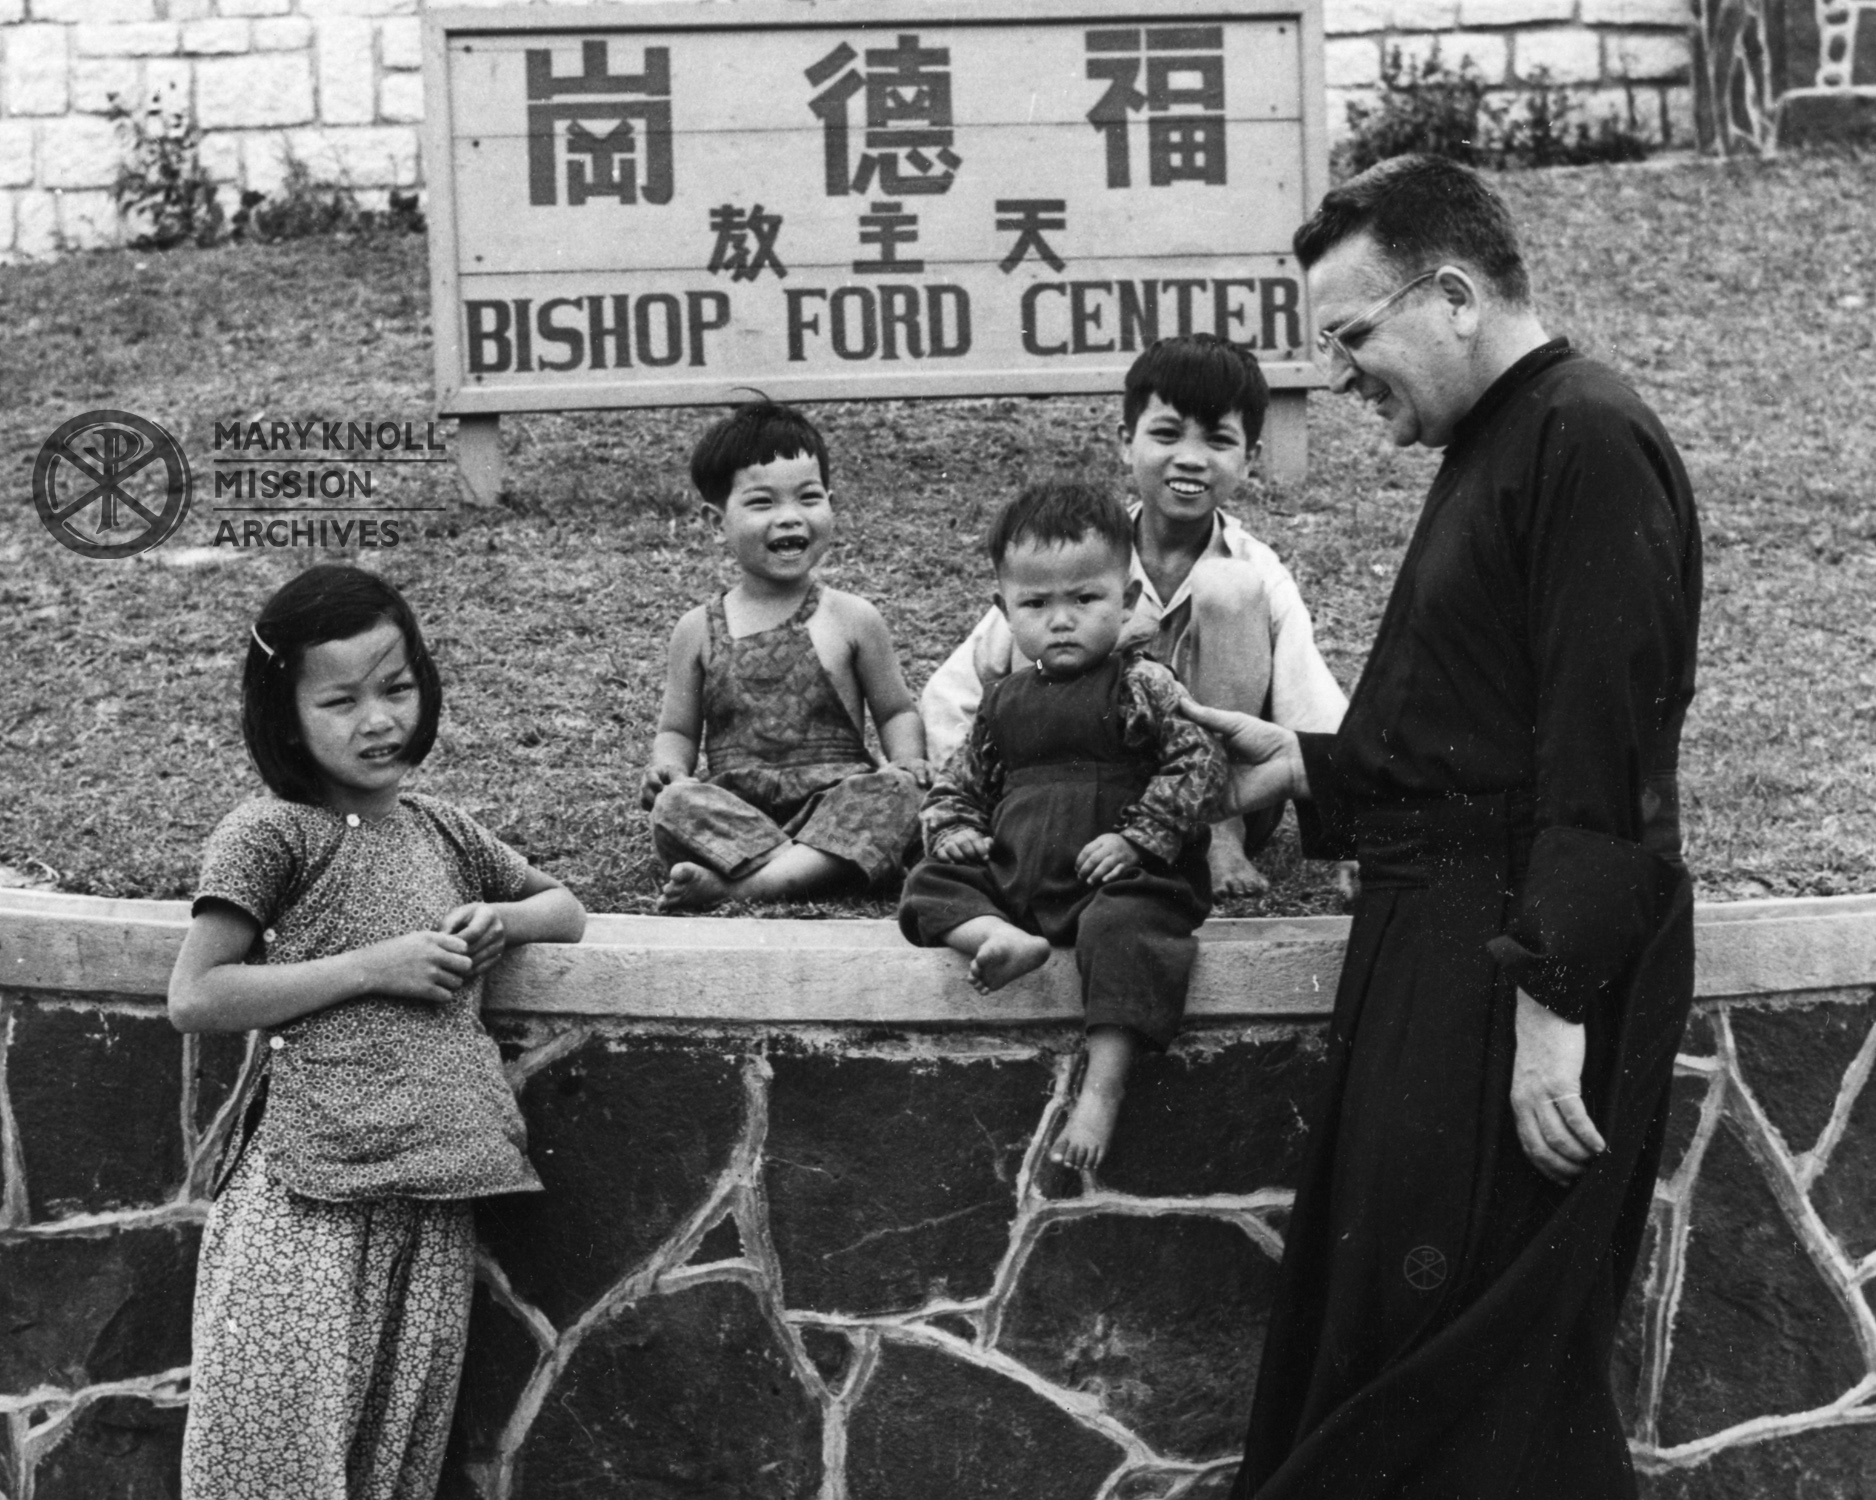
(1322, 824)
(1612, 606)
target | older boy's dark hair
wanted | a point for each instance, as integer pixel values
(1202, 376)
(1059, 513)
(327, 602)
(1421, 210)
(757, 432)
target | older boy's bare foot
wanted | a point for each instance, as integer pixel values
(1005, 955)
(1083, 1141)
(1232, 873)
(692, 888)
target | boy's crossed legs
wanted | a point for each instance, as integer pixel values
(720, 847)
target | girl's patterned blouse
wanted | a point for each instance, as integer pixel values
(376, 1097)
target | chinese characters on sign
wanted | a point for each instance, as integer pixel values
(908, 139)
(734, 228)
(604, 163)
(1184, 101)
(908, 119)
(659, 205)
(1028, 217)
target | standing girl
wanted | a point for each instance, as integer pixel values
(350, 923)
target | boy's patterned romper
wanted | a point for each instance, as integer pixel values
(786, 761)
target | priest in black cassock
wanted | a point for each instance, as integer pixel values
(1520, 963)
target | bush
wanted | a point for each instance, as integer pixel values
(303, 209)
(162, 189)
(166, 199)
(1425, 106)
(1540, 132)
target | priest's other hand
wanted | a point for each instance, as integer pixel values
(1266, 760)
(1554, 1127)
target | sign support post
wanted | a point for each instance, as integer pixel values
(479, 458)
(1286, 438)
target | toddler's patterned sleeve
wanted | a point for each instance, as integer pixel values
(251, 860)
(1183, 795)
(966, 789)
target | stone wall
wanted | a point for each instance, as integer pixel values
(800, 1239)
(337, 84)
(1626, 60)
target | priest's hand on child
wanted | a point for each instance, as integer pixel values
(1104, 857)
(962, 846)
(1266, 760)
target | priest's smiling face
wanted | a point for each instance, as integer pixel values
(1401, 342)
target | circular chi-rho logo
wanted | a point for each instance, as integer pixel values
(111, 484)
(1424, 1268)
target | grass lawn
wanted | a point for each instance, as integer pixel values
(1739, 298)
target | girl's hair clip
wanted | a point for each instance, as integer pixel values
(272, 655)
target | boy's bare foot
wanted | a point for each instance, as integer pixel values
(1009, 953)
(692, 888)
(1232, 873)
(1083, 1141)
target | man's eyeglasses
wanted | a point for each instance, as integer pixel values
(1346, 339)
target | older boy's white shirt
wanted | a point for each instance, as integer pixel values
(1304, 694)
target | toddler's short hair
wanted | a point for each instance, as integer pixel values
(757, 432)
(1202, 376)
(327, 602)
(1059, 513)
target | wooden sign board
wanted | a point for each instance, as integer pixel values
(651, 205)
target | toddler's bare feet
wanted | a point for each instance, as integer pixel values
(1083, 1141)
(692, 888)
(1007, 954)
(1232, 873)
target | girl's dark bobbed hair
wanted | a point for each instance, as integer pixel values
(327, 602)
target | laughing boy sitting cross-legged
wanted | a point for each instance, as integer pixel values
(773, 680)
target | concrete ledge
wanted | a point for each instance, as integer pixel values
(753, 970)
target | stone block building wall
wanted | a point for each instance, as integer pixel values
(1627, 60)
(800, 1240)
(335, 84)
(338, 85)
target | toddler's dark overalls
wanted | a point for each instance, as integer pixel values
(1068, 776)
